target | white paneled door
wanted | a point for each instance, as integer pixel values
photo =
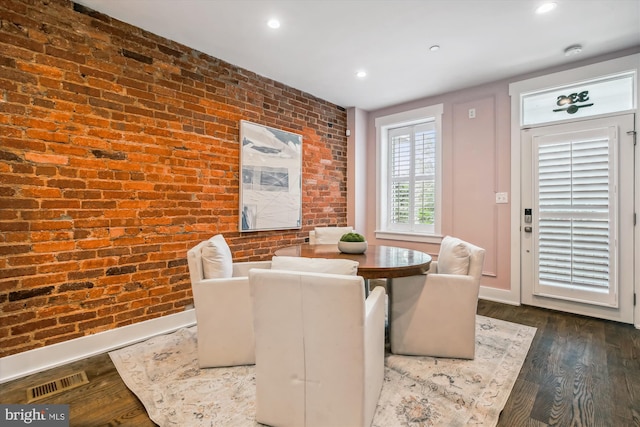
(578, 217)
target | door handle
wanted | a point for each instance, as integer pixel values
(528, 229)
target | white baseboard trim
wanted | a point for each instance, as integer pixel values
(43, 358)
(505, 296)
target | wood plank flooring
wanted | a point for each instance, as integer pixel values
(579, 372)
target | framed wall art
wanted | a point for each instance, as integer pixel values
(271, 181)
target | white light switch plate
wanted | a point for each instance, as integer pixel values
(502, 197)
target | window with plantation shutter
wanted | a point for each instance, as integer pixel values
(412, 169)
(408, 190)
(575, 203)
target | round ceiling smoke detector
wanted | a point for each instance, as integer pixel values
(573, 50)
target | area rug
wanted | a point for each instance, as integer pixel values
(417, 391)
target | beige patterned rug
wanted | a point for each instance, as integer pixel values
(417, 391)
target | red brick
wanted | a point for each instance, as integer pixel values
(47, 158)
(52, 332)
(17, 318)
(53, 246)
(24, 328)
(77, 317)
(32, 68)
(30, 260)
(36, 280)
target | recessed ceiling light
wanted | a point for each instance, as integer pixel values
(273, 23)
(434, 48)
(573, 50)
(361, 74)
(546, 7)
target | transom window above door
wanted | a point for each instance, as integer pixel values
(610, 94)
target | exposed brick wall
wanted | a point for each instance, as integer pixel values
(119, 152)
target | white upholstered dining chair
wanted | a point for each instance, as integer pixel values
(327, 235)
(435, 314)
(222, 300)
(319, 348)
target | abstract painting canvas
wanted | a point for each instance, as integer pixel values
(271, 187)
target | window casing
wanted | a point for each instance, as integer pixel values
(409, 175)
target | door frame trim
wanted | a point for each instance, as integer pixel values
(622, 173)
(567, 77)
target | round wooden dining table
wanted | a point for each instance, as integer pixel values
(377, 262)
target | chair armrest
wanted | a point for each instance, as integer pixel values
(374, 313)
(375, 305)
(219, 294)
(433, 268)
(374, 302)
(415, 297)
(219, 281)
(451, 281)
(225, 322)
(241, 269)
(461, 289)
(415, 282)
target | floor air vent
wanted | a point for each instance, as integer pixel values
(56, 386)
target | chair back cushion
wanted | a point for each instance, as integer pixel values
(315, 265)
(194, 260)
(330, 235)
(453, 257)
(216, 258)
(476, 261)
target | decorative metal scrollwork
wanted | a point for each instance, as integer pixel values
(571, 102)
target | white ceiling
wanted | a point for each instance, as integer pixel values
(322, 43)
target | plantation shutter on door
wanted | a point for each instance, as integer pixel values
(575, 205)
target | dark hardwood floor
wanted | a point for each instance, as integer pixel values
(579, 372)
